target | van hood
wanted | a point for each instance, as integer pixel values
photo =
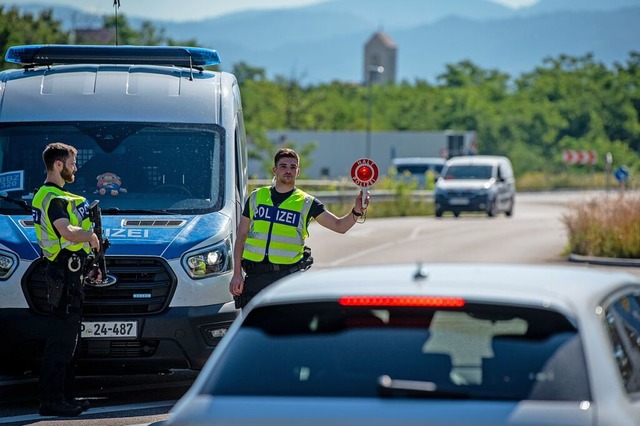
(451, 184)
(166, 236)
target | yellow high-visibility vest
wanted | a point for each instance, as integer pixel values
(277, 232)
(78, 209)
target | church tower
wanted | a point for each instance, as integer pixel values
(379, 51)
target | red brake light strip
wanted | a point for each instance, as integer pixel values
(412, 301)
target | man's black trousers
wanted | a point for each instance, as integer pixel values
(256, 282)
(57, 374)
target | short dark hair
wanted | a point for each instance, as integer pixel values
(57, 151)
(285, 153)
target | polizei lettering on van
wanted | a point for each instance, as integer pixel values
(126, 233)
(276, 215)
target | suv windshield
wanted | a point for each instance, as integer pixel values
(482, 172)
(175, 167)
(479, 351)
(419, 169)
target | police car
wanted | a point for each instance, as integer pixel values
(437, 344)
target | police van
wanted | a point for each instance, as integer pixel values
(161, 146)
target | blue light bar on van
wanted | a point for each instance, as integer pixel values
(49, 54)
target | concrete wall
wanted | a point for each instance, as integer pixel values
(336, 151)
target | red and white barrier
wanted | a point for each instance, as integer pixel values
(570, 156)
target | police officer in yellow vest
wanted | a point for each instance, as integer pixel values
(65, 236)
(273, 229)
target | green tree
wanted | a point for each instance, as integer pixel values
(20, 29)
(147, 35)
(626, 125)
(581, 105)
(244, 72)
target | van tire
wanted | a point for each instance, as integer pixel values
(456, 213)
(438, 213)
(509, 212)
(492, 210)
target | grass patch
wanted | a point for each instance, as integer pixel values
(536, 181)
(606, 226)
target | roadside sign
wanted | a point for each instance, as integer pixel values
(621, 174)
(570, 156)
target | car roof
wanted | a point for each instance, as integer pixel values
(476, 159)
(533, 285)
(418, 160)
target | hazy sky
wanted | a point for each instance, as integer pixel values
(188, 10)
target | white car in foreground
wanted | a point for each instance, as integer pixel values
(442, 344)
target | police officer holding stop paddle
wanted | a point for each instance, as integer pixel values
(274, 226)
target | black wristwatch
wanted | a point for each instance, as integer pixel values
(355, 213)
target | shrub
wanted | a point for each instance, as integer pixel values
(605, 226)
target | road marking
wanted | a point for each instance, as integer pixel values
(412, 236)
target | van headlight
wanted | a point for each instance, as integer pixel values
(209, 261)
(8, 264)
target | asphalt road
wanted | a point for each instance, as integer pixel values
(534, 235)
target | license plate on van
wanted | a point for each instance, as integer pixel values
(459, 201)
(108, 329)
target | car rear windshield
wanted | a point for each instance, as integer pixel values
(478, 351)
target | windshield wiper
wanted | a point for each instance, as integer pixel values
(116, 211)
(23, 204)
(393, 388)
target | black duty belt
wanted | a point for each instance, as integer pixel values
(71, 260)
(264, 268)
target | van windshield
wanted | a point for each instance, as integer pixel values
(468, 171)
(175, 167)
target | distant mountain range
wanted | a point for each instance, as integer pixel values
(325, 42)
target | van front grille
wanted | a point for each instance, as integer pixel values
(144, 286)
(117, 348)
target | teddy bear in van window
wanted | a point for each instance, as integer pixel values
(109, 183)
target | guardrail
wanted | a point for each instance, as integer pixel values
(345, 197)
(347, 191)
(305, 183)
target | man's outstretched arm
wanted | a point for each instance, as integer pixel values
(346, 222)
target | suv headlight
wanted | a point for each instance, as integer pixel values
(487, 188)
(209, 261)
(8, 264)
